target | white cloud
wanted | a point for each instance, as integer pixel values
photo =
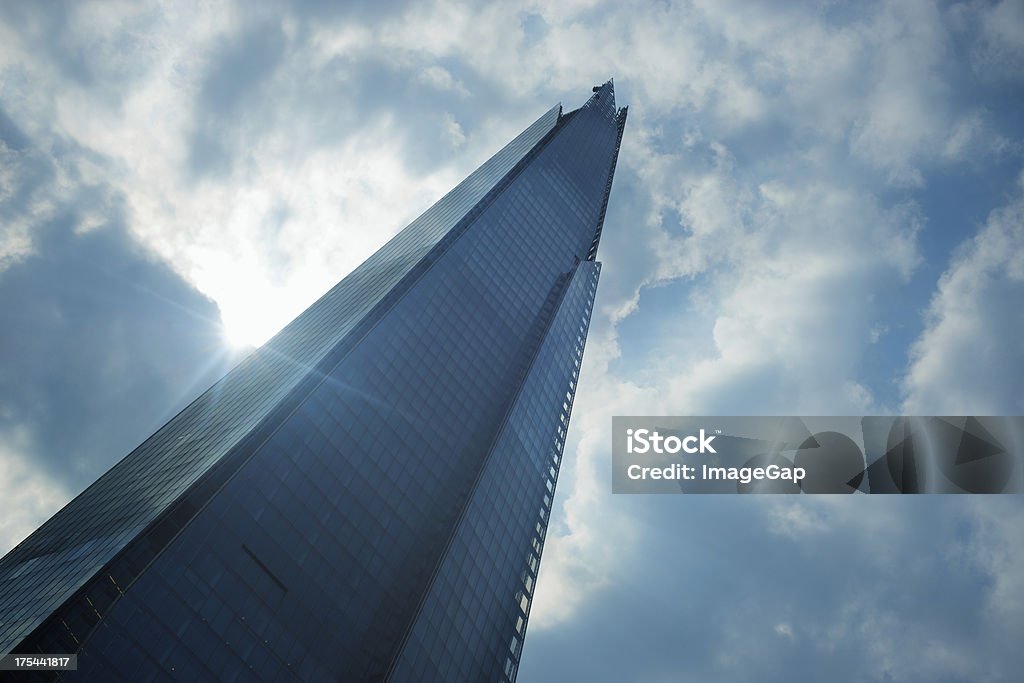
(971, 340)
(876, 333)
(997, 53)
(35, 186)
(796, 520)
(784, 630)
(582, 549)
(795, 272)
(905, 96)
(453, 132)
(997, 549)
(29, 496)
(440, 78)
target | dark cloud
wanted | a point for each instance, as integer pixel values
(100, 341)
(88, 47)
(239, 66)
(11, 134)
(51, 20)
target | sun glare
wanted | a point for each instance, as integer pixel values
(249, 328)
(252, 306)
(253, 314)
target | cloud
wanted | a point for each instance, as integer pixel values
(784, 630)
(769, 239)
(714, 591)
(101, 341)
(241, 66)
(453, 131)
(996, 549)
(971, 340)
(29, 495)
(440, 78)
(997, 51)
(583, 546)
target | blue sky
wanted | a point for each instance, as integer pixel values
(819, 209)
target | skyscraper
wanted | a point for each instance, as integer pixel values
(366, 496)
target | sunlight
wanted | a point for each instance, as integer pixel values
(249, 325)
(252, 308)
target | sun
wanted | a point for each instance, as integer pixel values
(253, 306)
(252, 314)
(247, 328)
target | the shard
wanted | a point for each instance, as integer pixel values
(366, 496)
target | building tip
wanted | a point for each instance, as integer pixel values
(608, 87)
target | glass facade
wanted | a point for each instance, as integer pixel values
(366, 496)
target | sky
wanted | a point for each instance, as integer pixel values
(818, 209)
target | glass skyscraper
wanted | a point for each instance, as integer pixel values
(366, 496)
